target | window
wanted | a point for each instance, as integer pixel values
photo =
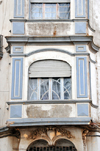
(49, 80)
(50, 11)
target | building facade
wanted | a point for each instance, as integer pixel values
(49, 75)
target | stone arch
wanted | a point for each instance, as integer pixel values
(59, 143)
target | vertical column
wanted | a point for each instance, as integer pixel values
(17, 78)
(19, 8)
(81, 66)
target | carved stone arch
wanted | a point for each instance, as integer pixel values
(61, 140)
(50, 49)
(42, 143)
(38, 142)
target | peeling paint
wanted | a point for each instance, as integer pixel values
(48, 29)
(53, 111)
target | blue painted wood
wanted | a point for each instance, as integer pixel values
(80, 9)
(15, 111)
(81, 48)
(17, 78)
(18, 28)
(82, 110)
(18, 8)
(81, 66)
(80, 27)
(18, 49)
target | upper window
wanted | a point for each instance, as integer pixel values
(50, 11)
(49, 80)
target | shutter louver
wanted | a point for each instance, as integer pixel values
(49, 68)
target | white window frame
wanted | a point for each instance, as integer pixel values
(47, 2)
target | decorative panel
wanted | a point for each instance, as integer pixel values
(81, 65)
(18, 28)
(80, 48)
(17, 77)
(17, 49)
(80, 8)
(80, 27)
(19, 8)
(16, 111)
(82, 110)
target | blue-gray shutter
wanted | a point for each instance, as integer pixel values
(81, 66)
(80, 8)
(49, 68)
(17, 78)
(19, 8)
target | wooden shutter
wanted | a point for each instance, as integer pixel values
(49, 68)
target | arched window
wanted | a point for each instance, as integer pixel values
(49, 80)
(61, 145)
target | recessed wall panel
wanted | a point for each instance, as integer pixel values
(17, 77)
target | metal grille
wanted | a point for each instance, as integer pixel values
(70, 148)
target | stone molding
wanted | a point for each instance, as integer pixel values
(50, 134)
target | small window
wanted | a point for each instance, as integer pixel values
(50, 11)
(49, 80)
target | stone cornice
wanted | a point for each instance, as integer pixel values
(48, 39)
(6, 131)
(48, 121)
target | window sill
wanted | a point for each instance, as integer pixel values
(46, 20)
(49, 102)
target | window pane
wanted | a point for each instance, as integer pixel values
(67, 88)
(44, 89)
(64, 11)
(36, 11)
(64, 16)
(56, 89)
(32, 89)
(50, 11)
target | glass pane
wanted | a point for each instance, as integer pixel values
(67, 88)
(50, 5)
(44, 89)
(50, 16)
(36, 11)
(50, 11)
(32, 89)
(56, 89)
(64, 16)
(64, 11)
(65, 4)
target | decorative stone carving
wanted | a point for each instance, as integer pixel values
(85, 132)
(64, 132)
(50, 133)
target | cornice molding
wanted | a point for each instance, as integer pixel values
(6, 131)
(49, 121)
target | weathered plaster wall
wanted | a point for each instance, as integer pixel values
(50, 29)
(9, 144)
